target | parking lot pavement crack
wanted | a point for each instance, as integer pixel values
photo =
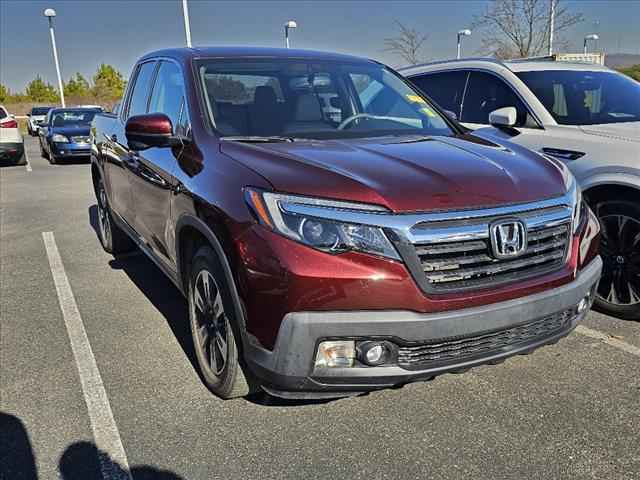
(608, 339)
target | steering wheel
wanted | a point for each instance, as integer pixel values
(350, 119)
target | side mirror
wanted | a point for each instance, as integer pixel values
(28, 114)
(503, 117)
(451, 115)
(150, 130)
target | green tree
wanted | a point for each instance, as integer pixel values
(633, 71)
(4, 93)
(41, 92)
(77, 87)
(108, 83)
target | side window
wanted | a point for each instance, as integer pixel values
(3, 113)
(446, 89)
(140, 94)
(168, 92)
(486, 93)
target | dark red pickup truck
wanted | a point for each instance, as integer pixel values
(333, 231)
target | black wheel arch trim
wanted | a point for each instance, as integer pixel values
(192, 221)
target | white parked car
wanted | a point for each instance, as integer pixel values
(11, 141)
(586, 115)
(36, 118)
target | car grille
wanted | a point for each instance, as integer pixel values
(470, 263)
(457, 254)
(80, 139)
(458, 349)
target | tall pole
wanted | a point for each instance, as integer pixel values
(187, 27)
(458, 55)
(55, 59)
(286, 36)
(552, 21)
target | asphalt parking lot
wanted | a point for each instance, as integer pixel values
(571, 410)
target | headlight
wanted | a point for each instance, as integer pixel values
(320, 233)
(57, 138)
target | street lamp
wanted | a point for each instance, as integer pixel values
(287, 26)
(591, 36)
(187, 26)
(462, 33)
(50, 13)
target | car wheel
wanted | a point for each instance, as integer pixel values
(113, 239)
(618, 292)
(212, 318)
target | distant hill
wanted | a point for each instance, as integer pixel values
(618, 60)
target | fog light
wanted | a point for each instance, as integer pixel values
(336, 353)
(375, 353)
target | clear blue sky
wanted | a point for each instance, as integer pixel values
(90, 32)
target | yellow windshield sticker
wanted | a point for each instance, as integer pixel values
(428, 112)
(415, 99)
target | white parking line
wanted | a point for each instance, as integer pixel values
(26, 157)
(608, 339)
(105, 431)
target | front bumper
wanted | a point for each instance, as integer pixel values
(289, 371)
(69, 150)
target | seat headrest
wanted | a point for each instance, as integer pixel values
(264, 95)
(308, 108)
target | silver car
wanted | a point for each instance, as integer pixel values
(586, 115)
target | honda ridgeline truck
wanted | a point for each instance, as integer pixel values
(333, 231)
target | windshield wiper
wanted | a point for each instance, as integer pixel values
(257, 138)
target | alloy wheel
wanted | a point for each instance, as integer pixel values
(103, 215)
(212, 325)
(620, 250)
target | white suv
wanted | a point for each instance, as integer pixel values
(586, 115)
(36, 118)
(11, 141)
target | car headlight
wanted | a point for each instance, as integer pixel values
(329, 236)
(57, 138)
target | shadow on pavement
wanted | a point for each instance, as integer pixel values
(17, 461)
(168, 300)
(80, 460)
(84, 461)
(158, 289)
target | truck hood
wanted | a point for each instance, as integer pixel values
(405, 173)
(629, 131)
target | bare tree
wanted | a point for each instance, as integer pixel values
(520, 28)
(408, 43)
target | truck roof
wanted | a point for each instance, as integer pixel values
(244, 51)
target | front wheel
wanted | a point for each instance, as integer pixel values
(211, 316)
(618, 292)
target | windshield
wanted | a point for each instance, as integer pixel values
(65, 118)
(586, 98)
(40, 110)
(307, 99)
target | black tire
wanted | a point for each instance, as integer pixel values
(113, 239)
(214, 328)
(618, 292)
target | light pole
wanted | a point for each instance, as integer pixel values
(290, 24)
(462, 33)
(187, 26)
(552, 20)
(591, 36)
(50, 13)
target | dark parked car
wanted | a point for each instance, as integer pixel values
(65, 133)
(332, 230)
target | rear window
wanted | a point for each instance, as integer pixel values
(239, 89)
(3, 113)
(40, 110)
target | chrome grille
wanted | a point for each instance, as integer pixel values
(457, 349)
(80, 139)
(459, 255)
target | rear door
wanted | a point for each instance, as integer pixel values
(118, 161)
(152, 179)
